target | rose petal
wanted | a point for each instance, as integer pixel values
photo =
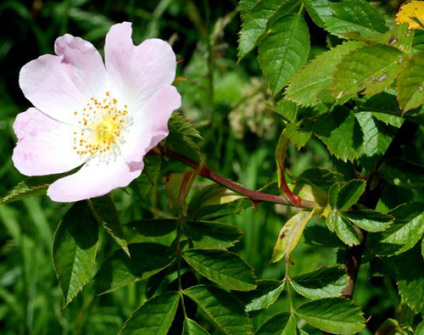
(150, 124)
(137, 72)
(45, 146)
(61, 85)
(94, 179)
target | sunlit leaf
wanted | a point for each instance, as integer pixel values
(284, 50)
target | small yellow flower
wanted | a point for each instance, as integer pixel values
(413, 14)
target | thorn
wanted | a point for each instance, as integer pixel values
(255, 204)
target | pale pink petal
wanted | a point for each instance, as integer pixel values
(60, 85)
(137, 72)
(150, 124)
(94, 179)
(45, 146)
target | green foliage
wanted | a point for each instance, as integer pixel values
(325, 282)
(74, 250)
(311, 85)
(353, 75)
(284, 50)
(410, 82)
(341, 133)
(223, 268)
(119, 270)
(223, 310)
(333, 315)
(348, 102)
(280, 324)
(154, 317)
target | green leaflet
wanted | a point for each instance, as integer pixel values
(256, 21)
(401, 236)
(333, 315)
(306, 86)
(325, 282)
(263, 296)
(299, 132)
(183, 137)
(118, 270)
(74, 250)
(193, 328)
(219, 306)
(154, 317)
(104, 211)
(410, 278)
(410, 83)
(343, 228)
(284, 50)
(280, 324)
(212, 235)
(369, 220)
(369, 70)
(346, 16)
(341, 133)
(223, 268)
(350, 194)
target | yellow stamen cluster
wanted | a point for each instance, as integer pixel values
(101, 125)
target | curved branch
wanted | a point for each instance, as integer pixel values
(254, 196)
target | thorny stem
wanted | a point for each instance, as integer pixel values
(254, 196)
(371, 197)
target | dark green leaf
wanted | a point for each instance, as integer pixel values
(153, 227)
(264, 296)
(183, 137)
(403, 174)
(410, 278)
(105, 213)
(372, 76)
(74, 250)
(225, 311)
(284, 50)
(307, 85)
(350, 194)
(212, 235)
(410, 83)
(317, 234)
(333, 315)
(193, 328)
(369, 220)
(420, 329)
(222, 267)
(154, 317)
(325, 282)
(286, 109)
(246, 6)
(341, 133)
(280, 324)
(333, 195)
(118, 270)
(320, 178)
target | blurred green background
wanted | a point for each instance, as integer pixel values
(227, 102)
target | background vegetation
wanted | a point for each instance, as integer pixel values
(231, 106)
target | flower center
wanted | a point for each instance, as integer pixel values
(101, 126)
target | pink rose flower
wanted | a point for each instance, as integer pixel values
(105, 117)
